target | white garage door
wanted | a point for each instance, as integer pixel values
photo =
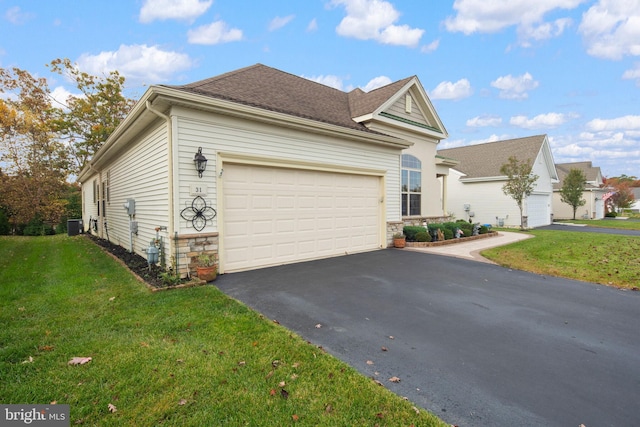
(538, 210)
(276, 215)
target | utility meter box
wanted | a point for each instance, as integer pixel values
(130, 206)
(133, 226)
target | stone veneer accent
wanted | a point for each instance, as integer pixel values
(189, 246)
(394, 227)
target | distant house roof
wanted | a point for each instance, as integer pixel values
(591, 173)
(271, 89)
(485, 160)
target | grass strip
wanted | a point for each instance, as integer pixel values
(606, 259)
(191, 357)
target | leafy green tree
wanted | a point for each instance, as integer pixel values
(87, 120)
(572, 189)
(520, 182)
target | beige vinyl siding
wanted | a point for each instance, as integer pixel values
(424, 148)
(593, 208)
(141, 173)
(399, 109)
(215, 133)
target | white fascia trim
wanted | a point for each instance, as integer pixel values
(414, 129)
(485, 179)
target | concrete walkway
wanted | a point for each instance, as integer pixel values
(471, 250)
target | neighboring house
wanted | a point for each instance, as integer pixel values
(635, 206)
(593, 192)
(475, 184)
(295, 170)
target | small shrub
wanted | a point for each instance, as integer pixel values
(170, 279)
(411, 230)
(448, 234)
(466, 228)
(423, 236)
(611, 215)
(483, 229)
(37, 227)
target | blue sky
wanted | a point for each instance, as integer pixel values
(493, 69)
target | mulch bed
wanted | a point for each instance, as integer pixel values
(151, 276)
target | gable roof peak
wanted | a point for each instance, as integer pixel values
(486, 159)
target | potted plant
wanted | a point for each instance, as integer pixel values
(206, 267)
(399, 240)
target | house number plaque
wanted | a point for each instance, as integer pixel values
(197, 190)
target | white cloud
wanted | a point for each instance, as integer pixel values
(633, 74)
(492, 16)
(431, 47)
(137, 62)
(184, 10)
(544, 31)
(463, 142)
(515, 87)
(278, 22)
(374, 20)
(328, 80)
(611, 29)
(483, 121)
(60, 96)
(449, 90)
(614, 152)
(620, 123)
(541, 121)
(376, 82)
(16, 16)
(313, 25)
(215, 33)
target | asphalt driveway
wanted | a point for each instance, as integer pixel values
(474, 343)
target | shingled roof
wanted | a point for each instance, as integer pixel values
(271, 89)
(591, 173)
(485, 160)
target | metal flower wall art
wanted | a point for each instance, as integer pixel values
(198, 213)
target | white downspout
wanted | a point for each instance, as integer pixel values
(170, 228)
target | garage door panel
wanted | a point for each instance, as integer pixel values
(538, 210)
(274, 216)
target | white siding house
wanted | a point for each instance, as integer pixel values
(295, 170)
(475, 184)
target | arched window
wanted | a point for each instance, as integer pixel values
(411, 185)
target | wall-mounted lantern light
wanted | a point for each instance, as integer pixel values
(200, 162)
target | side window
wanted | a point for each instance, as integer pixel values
(411, 185)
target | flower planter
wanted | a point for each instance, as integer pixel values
(399, 242)
(207, 274)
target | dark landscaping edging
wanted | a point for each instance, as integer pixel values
(192, 283)
(451, 241)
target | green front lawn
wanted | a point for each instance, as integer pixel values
(593, 257)
(607, 223)
(190, 357)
